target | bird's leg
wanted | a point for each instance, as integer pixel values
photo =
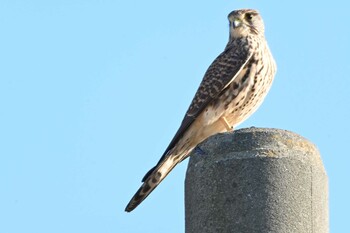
(199, 150)
(226, 124)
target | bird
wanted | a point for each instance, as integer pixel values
(233, 87)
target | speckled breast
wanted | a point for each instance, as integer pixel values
(246, 93)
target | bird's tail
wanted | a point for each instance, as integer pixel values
(151, 180)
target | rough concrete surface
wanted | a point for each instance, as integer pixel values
(256, 180)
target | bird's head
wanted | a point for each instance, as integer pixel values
(245, 22)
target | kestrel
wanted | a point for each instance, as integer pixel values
(233, 87)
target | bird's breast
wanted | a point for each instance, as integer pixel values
(245, 93)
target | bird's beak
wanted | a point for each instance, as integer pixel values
(236, 22)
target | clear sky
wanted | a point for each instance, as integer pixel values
(92, 92)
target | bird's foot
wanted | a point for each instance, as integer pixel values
(199, 151)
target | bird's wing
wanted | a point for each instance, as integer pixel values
(219, 75)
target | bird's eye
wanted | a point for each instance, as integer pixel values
(248, 16)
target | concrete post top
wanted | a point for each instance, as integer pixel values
(256, 180)
(266, 142)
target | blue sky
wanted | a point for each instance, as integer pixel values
(92, 92)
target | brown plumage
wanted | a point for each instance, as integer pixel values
(233, 87)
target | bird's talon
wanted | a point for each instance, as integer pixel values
(198, 150)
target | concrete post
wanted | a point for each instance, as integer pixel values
(256, 180)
